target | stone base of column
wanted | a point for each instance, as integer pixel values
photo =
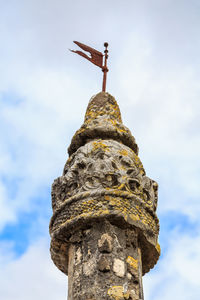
(105, 263)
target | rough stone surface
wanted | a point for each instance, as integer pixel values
(104, 263)
(104, 227)
(102, 120)
(96, 275)
(119, 267)
(105, 243)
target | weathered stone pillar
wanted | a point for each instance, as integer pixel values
(105, 260)
(104, 228)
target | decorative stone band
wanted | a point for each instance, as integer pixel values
(103, 128)
(121, 208)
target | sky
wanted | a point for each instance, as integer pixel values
(154, 74)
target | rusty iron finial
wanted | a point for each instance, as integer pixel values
(96, 58)
(105, 69)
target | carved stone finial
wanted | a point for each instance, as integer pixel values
(104, 182)
(102, 120)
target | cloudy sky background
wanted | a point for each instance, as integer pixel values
(154, 61)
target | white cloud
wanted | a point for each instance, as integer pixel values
(36, 133)
(161, 107)
(7, 214)
(32, 276)
(44, 91)
(177, 274)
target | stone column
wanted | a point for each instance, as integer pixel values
(104, 228)
(105, 262)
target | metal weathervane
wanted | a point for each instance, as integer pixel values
(96, 58)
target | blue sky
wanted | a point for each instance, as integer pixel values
(154, 74)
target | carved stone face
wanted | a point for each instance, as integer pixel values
(105, 164)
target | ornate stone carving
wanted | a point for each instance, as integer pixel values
(104, 179)
(104, 165)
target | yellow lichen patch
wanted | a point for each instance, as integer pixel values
(114, 122)
(123, 152)
(69, 160)
(136, 213)
(101, 212)
(158, 248)
(108, 108)
(99, 144)
(91, 115)
(133, 263)
(119, 188)
(87, 205)
(122, 130)
(117, 293)
(79, 131)
(137, 161)
(134, 217)
(108, 198)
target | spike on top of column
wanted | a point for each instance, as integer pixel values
(102, 120)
